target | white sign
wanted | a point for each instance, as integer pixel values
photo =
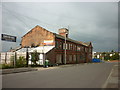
(48, 42)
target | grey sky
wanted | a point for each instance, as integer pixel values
(88, 21)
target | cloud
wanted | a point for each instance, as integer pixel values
(96, 22)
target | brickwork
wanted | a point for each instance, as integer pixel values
(36, 37)
(76, 52)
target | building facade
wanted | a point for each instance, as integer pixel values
(65, 51)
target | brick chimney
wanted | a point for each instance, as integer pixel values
(63, 31)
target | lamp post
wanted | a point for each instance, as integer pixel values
(65, 48)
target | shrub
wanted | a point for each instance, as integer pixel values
(6, 66)
(35, 57)
(21, 62)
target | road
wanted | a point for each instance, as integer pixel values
(74, 76)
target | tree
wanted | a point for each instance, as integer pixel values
(35, 57)
(115, 56)
(112, 51)
(107, 56)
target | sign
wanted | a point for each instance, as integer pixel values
(48, 42)
(10, 38)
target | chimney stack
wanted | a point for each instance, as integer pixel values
(63, 31)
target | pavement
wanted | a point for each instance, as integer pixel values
(27, 69)
(17, 70)
(113, 78)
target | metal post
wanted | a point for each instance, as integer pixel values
(14, 59)
(6, 58)
(65, 49)
(43, 56)
(27, 56)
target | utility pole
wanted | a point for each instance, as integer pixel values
(66, 44)
(65, 48)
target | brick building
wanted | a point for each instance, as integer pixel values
(62, 46)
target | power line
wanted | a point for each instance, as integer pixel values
(28, 18)
(16, 17)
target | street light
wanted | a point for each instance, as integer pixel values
(65, 48)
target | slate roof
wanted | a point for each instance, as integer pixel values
(69, 39)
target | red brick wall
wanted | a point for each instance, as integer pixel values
(51, 56)
(36, 37)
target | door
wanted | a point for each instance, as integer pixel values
(59, 58)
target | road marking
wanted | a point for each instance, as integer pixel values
(106, 82)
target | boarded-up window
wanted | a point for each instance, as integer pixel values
(74, 57)
(82, 57)
(70, 58)
(57, 44)
(58, 58)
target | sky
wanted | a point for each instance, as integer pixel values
(87, 21)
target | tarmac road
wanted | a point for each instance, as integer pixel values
(69, 76)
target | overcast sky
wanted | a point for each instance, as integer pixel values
(88, 21)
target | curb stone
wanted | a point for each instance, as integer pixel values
(17, 70)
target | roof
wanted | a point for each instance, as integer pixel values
(40, 49)
(69, 39)
(15, 49)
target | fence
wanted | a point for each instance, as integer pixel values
(5, 57)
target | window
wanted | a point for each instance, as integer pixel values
(82, 57)
(82, 48)
(63, 45)
(75, 47)
(60, 45)
(71, 47)
(58, 58)
(85, 49)
(66, 46)
(57, 44)
(74, 57)
(90, 49)
(70, 58)
(78, 48)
